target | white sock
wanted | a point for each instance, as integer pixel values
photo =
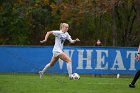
(69, 68)
(46, 68)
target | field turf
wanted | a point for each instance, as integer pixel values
(52, 83)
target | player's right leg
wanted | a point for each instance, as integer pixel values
(52, 62)
(64, 57)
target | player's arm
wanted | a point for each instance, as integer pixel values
(138, 54)
(139, 49)
(46, 37)
(73, 41)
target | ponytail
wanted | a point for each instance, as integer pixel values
(61, 26)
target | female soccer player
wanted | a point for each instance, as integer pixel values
(60, 37)
(137, 75)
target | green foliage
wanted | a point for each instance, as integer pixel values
(126, 27)
(25, 22)
(14, 29)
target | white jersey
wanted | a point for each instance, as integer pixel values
(60, 38)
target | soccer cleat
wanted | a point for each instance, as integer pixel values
(40, 74)
(131, 85)
(71, 77)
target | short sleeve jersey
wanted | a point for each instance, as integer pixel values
(60, 38)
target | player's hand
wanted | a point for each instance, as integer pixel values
(43, 41)
(77, 39)
(137, 57)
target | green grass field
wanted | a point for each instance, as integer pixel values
(30, 83)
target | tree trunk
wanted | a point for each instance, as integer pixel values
(114, 34)
(137, 3)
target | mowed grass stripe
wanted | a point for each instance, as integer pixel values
(30, 83)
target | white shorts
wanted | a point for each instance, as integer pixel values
(56, 53)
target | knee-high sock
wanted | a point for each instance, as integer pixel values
(69, 68)
(46, 68)
(137, 75)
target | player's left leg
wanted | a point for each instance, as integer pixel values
(52, 62)
(64, 57)
(137, 75)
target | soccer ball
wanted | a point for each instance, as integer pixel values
(75, 76)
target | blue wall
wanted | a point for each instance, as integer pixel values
(85, 60)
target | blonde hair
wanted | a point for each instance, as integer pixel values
(62, 25)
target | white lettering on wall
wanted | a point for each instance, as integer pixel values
(101, 64)
(132, 59)
(87, 59)
(104, 60)
(118, 62)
